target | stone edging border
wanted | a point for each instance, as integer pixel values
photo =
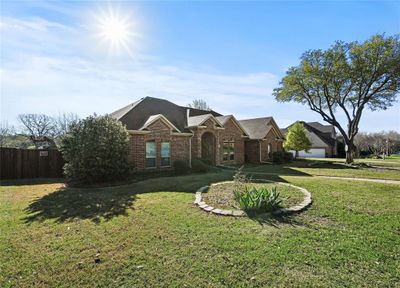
(240, 213)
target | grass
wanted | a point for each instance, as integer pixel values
(390, 161)
(221, 196)
(149, 234)
(320, 167)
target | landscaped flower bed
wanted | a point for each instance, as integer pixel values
(222, 195)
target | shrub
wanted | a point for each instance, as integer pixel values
(208, 162)
(199, 165)
(96, 150)
(181, 167)
(282, 157)
(252, 199)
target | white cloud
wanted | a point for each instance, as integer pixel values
(47, 84)
(46, 69)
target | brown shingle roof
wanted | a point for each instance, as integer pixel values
(135, 115)
(324, 132)
(257, 128)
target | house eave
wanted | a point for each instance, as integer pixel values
(138, 132)
(181, 134)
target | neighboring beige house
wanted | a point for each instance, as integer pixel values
(323, 140)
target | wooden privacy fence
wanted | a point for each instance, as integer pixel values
(28, 163)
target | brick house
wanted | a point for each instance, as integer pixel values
(265, 138)
(163, 132)
(323, 140)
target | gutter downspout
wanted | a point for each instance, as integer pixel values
(191, 137)
(190, 150)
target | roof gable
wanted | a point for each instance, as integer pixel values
(194, 121)
(258, 128)
(226, 118)
(153, 118)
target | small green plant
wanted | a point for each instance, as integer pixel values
(252, 199)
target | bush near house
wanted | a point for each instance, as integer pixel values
(96, 150)
(181, 167)
(198, 165)
(282, 157)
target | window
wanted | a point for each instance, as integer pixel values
(269, 150)
(165, 154)
(229, 150)
(150, 154)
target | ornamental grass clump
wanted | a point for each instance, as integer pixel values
(252, 199)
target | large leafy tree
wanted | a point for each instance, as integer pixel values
(296, 139)
(344, 80)
(96, 150)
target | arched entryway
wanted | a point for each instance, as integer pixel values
(208, 147)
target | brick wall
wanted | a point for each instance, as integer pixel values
(252, 148)
(252, 151)
(209, 126)
(245, 150)
(231, 132)
(159, 132)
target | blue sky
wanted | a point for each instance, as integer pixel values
(231, 54)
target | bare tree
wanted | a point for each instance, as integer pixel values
(378, 143)
(40, 127)
(5, 131)
(199, 104)
(393, 142)
(63, 122)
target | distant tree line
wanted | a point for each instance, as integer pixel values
(37, 130)
(378, 143)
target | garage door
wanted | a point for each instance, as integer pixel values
(313, 153)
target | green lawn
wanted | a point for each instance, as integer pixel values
(149, 234)
(323, 167)
(391, 161)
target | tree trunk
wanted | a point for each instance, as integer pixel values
(350, 153)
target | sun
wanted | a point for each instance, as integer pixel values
(115, 30)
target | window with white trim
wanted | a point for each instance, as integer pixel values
(229, 150)
(165, 154)
(151, 153)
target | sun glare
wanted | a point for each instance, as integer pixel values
(116, 30)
